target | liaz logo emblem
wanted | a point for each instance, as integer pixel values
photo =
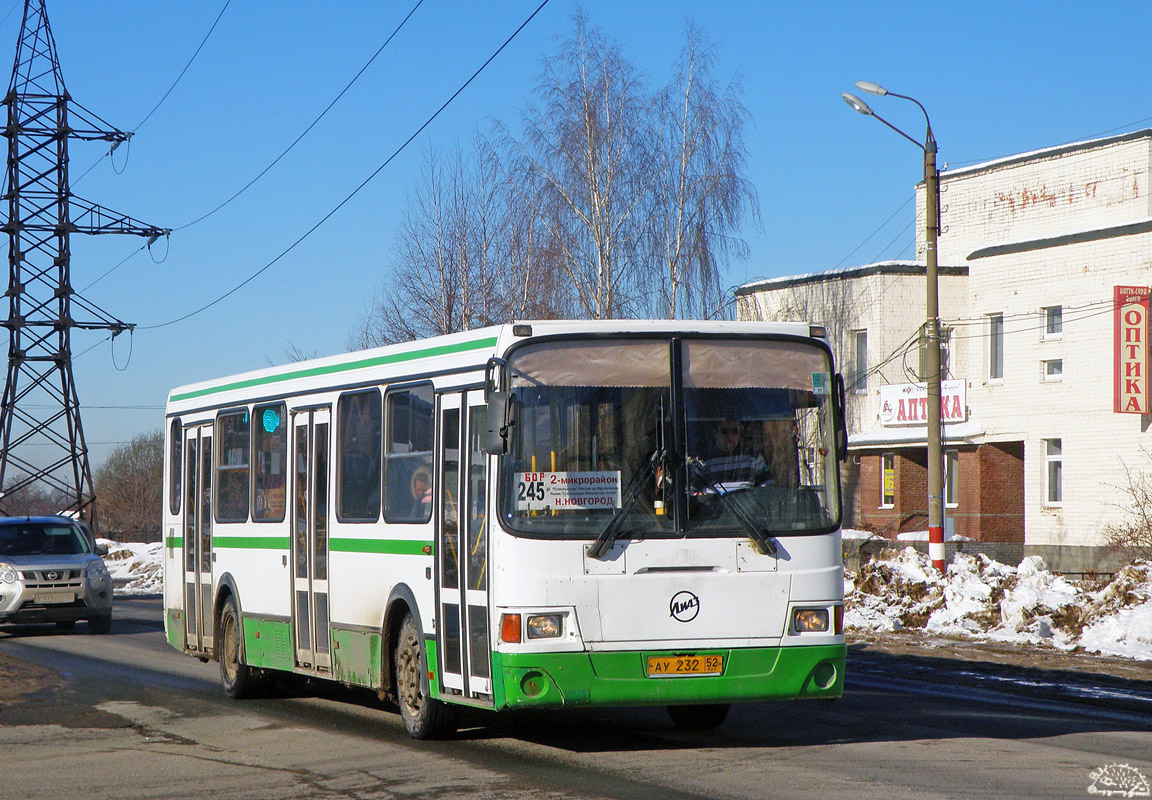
(684, 606)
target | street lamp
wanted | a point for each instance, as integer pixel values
(932, 324)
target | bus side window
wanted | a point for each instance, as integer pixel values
(410, 427)
(232, 453)
(271, 448)
(358, 483)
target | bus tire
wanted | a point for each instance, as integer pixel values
(699, 717)
(424, 717)
(239, 680)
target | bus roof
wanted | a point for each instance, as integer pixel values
(457, 352)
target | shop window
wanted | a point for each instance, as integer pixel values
(887, 480)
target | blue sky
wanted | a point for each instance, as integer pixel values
(997, 78)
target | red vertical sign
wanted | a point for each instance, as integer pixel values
(1130, 377)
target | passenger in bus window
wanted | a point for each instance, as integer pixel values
(421, 495)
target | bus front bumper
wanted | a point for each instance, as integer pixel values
(540, 680)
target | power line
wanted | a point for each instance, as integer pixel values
(276, 160)
(311, 125)
(162, 99)
(140, 124)
(363, 183)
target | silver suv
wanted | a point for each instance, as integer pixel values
(51, 570)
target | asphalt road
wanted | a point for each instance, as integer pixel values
(126, 716)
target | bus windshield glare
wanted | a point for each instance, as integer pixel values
(652, 437)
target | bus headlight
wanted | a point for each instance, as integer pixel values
(810, 620)
(545, 626)
(8, 574)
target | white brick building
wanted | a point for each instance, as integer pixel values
(1034, 245)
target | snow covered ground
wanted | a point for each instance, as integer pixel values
(980, 598)
(898, 590)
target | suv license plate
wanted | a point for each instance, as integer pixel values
(55, 597)
(684, 666)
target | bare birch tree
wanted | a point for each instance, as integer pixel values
(586, 170)
(701, 195)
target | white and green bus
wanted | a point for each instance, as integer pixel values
(535, 515)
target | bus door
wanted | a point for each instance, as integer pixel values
(310, 538)
(462, 548)
(198, 538)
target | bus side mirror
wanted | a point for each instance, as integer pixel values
(841, 424)
(496, 425)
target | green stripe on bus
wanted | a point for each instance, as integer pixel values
(393, 358)
(399, 547)
(252, 542)
(174, 542)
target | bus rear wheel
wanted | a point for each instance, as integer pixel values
(239, 680)
(424, 717)
(699, 717)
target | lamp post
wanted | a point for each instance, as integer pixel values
(932, 323)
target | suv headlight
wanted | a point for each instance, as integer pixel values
(8, 574)
(97, 572)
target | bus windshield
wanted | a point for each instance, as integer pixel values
(608, 434)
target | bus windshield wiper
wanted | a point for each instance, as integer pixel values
(613, 527)
(761, 537)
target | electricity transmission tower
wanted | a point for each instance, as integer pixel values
(41, 437)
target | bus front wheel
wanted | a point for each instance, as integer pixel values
(240, 680)
(424, 717)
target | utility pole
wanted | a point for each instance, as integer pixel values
(41, 435)
(932, 322)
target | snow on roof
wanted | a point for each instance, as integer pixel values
(842, 273)
(1047, 152)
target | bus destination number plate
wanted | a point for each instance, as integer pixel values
(684, 666)
(55, 597)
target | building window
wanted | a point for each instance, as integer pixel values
(887, 480)
(951, 478)
(860, 362)
(995, 347)
(1052, 370)
(1053, 472)
(1053, 322)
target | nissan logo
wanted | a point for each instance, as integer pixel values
(52, 576)
(684, 606)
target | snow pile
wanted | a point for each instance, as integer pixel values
(982, 598)
(135, 568)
